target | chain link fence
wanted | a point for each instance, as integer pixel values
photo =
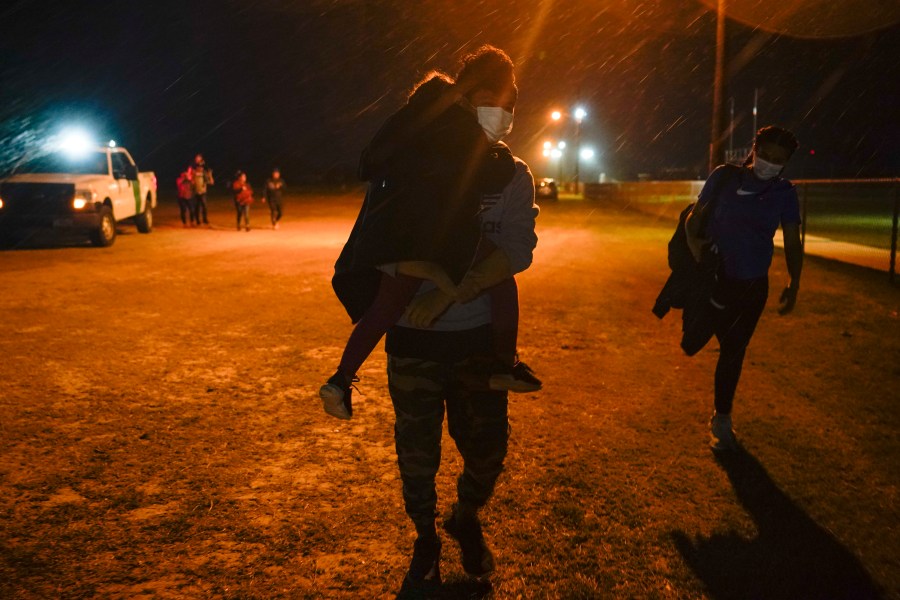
(849, 220)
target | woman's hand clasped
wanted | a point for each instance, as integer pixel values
(425, 308)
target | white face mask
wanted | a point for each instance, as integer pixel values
(766, 170)
(495, 121)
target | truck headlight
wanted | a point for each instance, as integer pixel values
(83, 198)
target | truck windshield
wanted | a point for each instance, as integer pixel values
(92, 163)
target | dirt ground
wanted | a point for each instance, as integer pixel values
(161, 435)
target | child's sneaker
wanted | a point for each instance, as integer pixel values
(336, 394)
(517, 378)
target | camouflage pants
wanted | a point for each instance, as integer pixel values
(421, 390)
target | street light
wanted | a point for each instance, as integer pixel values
(580, 114)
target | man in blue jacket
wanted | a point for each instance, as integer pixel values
(748, 210)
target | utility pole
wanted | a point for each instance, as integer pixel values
(715, 144)
(755, 102)
(731, 127)
(577, 150)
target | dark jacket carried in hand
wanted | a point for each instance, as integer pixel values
(427, 168)
(691, 284)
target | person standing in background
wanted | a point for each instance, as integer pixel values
(201, 179)
(274, 189)
(243, 198)
(185, 195)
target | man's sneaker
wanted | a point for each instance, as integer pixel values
(336, 394)
(721, 432)
(425, 566)
(477, 558)
(516, 378)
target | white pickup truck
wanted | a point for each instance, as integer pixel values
(88, 192)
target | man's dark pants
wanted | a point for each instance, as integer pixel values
(200, 208)
(729, 310)
(274, 209)
(421, 391)
(744, 301)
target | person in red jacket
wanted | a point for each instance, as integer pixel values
(243, 198)
(185, 195)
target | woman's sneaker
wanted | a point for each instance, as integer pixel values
(335, 395)
(518, 378)
(425, 566)
(477, 558)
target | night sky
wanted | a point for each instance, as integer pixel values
(304, 84)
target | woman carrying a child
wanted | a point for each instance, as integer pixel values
(431, 169)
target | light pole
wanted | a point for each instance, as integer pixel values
(715, 142)
(731, 127)
(755, 102)
(580, 114)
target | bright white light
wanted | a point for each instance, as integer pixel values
(546, 152)
(547, 144)
(556, 115)
(580, 114)
(561, 145)
(75, 142)
(587, 153)
(556, 153)
(79, 203)
(112, 143)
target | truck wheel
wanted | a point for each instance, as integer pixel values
(144, 221)
(105, 234)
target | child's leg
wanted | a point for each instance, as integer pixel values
(512, 375)
(504, 310)
(394, 293)
(505, 319)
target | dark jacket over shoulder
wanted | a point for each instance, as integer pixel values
(427, 170)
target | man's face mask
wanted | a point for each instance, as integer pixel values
(764, 169)
(495, 121)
